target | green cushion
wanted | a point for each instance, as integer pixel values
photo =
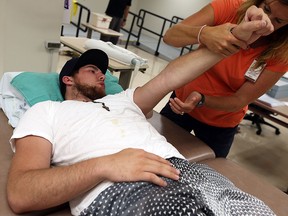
(111, 84)
(36, 87)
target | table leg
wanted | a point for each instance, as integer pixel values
(125, 78)
(89, 33)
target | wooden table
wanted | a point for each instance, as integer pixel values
(77, 44)
(104, 31)
(271, 113)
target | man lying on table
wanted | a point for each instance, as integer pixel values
(100, 153)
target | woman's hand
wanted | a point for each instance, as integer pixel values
(219, 39)
(190, 103)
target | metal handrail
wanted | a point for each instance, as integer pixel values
(143, 13)
(140, 23)
(130, 31)
(78, 24)
(176, 19)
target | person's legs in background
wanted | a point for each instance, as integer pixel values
(115, 25)
(217, 138)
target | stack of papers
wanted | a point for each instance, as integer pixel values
(280, 89)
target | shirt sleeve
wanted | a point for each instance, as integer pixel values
(36, 121)
(225, 10)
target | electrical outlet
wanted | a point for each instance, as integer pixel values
(52, 45)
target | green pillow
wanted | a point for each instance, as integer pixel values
(36, 87)
(111, 84)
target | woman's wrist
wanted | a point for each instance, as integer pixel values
(201, 101)
(199, 34)
(231, 31)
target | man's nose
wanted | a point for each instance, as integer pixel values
(102, 77)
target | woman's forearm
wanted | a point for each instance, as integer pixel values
(181, 35)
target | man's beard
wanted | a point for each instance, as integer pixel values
(91, 92)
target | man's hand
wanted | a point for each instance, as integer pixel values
(138, 165)
(253, 13)
(254, 25)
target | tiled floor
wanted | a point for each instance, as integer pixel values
(265, 155)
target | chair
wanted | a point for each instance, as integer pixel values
(256, 116)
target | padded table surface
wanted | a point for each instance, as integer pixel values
(187, 144)
(250, 183)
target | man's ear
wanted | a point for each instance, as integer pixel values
(68, 80)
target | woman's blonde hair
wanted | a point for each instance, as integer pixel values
(277, 49)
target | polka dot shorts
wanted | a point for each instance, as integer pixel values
(200, 191)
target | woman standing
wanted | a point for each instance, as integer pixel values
(215, 103)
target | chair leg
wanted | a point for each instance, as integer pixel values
(277, 130)
(258, 123)
(258, 120)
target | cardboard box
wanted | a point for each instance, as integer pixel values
(100, 20)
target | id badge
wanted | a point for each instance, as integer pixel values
(253, 74)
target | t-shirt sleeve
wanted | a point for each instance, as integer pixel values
(225, 10)
(128, 93)
(36, 121)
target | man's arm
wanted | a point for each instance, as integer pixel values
(44, 187)
(177, 73)
(34, 185)
(188, 67)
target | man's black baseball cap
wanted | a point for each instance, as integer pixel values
(93, 56)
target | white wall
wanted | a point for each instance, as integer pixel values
(99, 6)
(2, 23)
(169, 8)
(164, 8)
(25, 26)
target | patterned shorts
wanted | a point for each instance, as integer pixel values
(200, 191)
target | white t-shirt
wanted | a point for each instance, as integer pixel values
(82, 130)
